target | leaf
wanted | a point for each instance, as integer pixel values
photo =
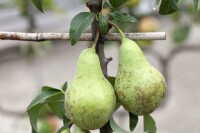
(48, 88)
(158, 2)
(106, 5)
(133, 120)
(168, 7)
(37, 103)
(38, 4)
(117, 3)
(64, 86)
(33, 115)
(56, 103)
(103, 24)
(112, 80)
(65, 119)
(122, 17)
(180, 33)
(42, 97)
(67, 125)
(149, 124)
(196, 2)
(33, 131)
(116, 128)
(79, 24)
(49, 4)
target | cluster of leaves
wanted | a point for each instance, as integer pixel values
(51, 97)
(24, 5)
(86, 19)
(181, 31)
(165, 6)
(54, 98)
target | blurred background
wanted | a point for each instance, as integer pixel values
(27, 66)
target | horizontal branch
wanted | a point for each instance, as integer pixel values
(84, 37)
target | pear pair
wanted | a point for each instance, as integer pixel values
(90, 99)
(139, 87)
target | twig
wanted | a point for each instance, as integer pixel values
(84, 37)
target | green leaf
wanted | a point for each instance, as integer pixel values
(103, 24)
(180, 33)
(38, 4)
(116, 128)
(35, 106)
(133, 120)
(64, 86)
(42, 97)
(112, 80)
(33, 131)
(196, 2)
(117, 3)
(48, 88)
(149, 124)
(66, 126)
(122, 17)
(56, 103)
(65, 119)
(79, 24)
(33, 116)
(107, 5)
(168, 7)
(158, 2)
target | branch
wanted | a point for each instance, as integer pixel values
(84, 37)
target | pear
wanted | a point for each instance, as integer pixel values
(90, 99)
(79, 130)
(66, 131)
(140, 88)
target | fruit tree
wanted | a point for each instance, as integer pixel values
(93, 96)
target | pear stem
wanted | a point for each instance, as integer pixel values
(96, 39)
(117, 27)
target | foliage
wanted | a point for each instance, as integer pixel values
(52, 97)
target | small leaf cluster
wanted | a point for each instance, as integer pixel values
(51, 97)
(165, 6)
(83, 20)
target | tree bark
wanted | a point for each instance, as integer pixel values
(84, 37)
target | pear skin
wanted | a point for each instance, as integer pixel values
(79, 130)
(90, 99)
(140, 88)
(66, 131)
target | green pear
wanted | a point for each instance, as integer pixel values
(66, 131)
(140, 88)
(79, 130)
(90, 99)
